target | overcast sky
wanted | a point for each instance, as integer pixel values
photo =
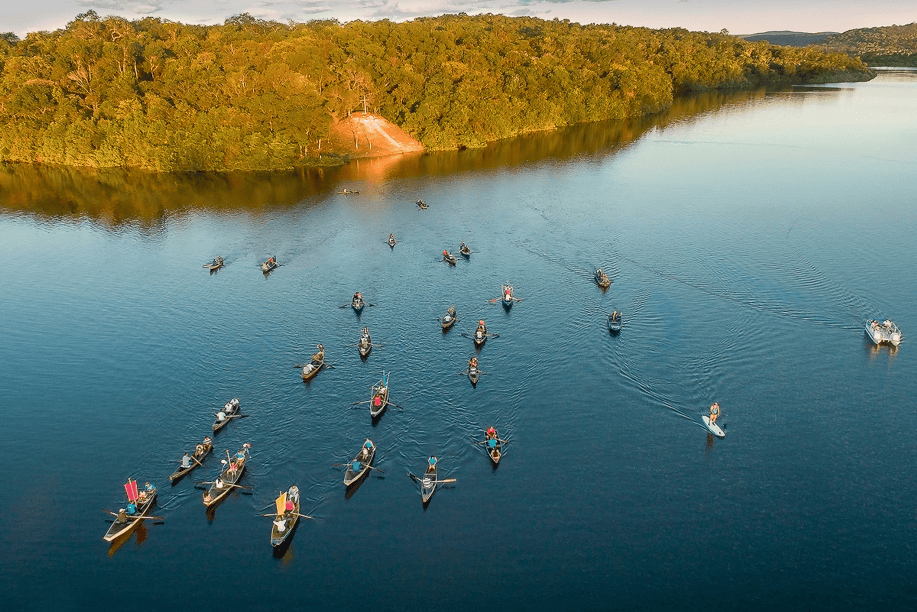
(737, 16)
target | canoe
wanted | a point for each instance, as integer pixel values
(506, 293)
(379, 399)
(270, 265)
(311, 369)
(614, 322)
(473, 372)
(449, 257)
(493, 446)
(358, 468)
(602, 279)
(480, 335)
(357, 303)
(287, 516)
(229, 412)
(428, 482)
(422, 205)
(366, 343)
(228, 478)
(464, 250)
(216, 264)
(392, 241)
(139, 504)
(449, 320)
(197, 457)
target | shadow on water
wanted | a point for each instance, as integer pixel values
(113, 197)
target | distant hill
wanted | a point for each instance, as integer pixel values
(885, 46)
(790, 39)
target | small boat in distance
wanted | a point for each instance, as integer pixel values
(357, 303)
(614, 322)
(360, 465)
(473, 372)
(464, 250)
(449, 319)
(422, 205)
(602, 279)
(270, 265)
(287, 505)
(449, 257)
(391, 240)
(233, 467)
(886, 331)
(190, 461)
(366, 343)
(480, 334)
(138, 505)
(428, 482)
(216, 264)
(315, 364)
(493, 445)
(506, 292)
(379, 400)
(229, 412)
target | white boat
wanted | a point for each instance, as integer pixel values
(886, 331)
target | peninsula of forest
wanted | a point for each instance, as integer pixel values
(250, 94)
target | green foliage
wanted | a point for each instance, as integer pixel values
(886, 46)
(260, 95)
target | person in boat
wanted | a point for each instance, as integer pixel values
(472, 363)
(186, 461)
(367, 448)
(446, 254)
(491, 432)
(614, 315)
(321, 352)
(432, 461)
(714, 413)
(391, 237)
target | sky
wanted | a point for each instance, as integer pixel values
(736, 16)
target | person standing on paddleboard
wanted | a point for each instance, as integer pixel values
(714, 413)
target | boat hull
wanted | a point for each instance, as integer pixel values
(181, 472)
(350, 476)
(119, 529)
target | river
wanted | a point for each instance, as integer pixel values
(748, 237)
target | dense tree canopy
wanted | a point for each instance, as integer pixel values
(252, 94)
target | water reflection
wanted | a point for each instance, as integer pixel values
(113, 197)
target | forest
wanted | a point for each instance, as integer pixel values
(250, 94)
(894, 45)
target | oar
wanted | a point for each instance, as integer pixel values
(492, 335)
(142, 518)
(443, 481)
(363, 402)
(374, 468)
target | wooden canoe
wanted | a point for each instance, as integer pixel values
(392, 241)
(422, 205)
(286, 520)
(449, 257)
(197, 457)
(358, 468)
(379, 400)
(428, 482)
(269, 265)
(480, 335)
(230, 476)
(473, 372)
(601, 279)
(493, 446)
(506, 294)
(229, 412)
(366, 343)
(357, 303)
(449, 320)
(464, 250)
(216, 264)
(311, 369)
(614, 322)
(128, 518)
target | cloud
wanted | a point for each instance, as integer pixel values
(141, 7)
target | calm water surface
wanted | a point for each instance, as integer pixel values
(747, 237)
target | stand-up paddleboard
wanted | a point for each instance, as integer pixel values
(713, 427)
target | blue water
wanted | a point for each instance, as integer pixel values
(748, 237)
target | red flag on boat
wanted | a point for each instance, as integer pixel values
(131, 489)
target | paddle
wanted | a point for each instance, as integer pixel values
(363, 402)
(305, 516)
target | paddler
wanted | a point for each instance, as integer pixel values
(714, 413)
